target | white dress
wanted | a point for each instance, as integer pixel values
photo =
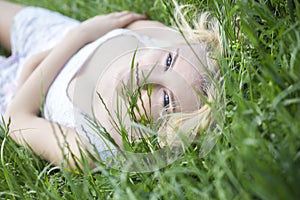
(35, 30)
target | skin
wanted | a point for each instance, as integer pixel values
(171, 81)
(47, 139)
(8, 11)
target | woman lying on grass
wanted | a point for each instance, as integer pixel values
(117, 70)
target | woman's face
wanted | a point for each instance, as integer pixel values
(156, 81)
(167, 82)
(146, 81)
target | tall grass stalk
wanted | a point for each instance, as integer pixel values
(257, 155)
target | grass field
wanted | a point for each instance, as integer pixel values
(257, 155)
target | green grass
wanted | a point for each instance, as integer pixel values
(258, 153)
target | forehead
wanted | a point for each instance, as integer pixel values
(187, 69)
(182, 78)
(194, 55)
(188, 62)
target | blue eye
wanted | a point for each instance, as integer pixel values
(166, 100)
(169, 61)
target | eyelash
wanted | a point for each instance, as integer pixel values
(166, 100)
(169, 62)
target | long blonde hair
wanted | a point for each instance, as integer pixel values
(203, 29)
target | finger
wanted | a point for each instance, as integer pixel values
(131, 17)
(121, 13)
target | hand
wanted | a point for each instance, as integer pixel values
(98, 26)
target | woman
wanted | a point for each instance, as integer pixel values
(64, 67)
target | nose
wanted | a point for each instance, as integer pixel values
(149, 104)
(142, 108)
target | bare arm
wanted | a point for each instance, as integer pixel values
(8, 10)
(30, 65)
(46, 138)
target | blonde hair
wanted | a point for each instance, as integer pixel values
(203, 29)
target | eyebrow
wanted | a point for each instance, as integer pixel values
(175, 53)
(171, 93)
(173, 102)
(175, 57)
